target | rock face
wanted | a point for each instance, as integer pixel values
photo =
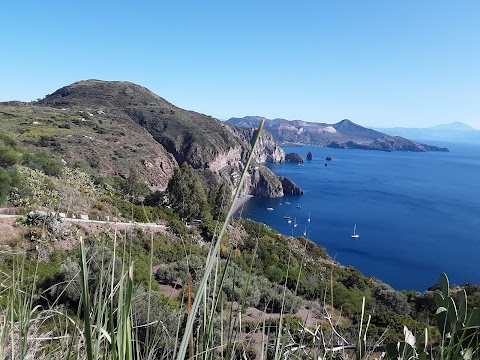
(172, 136)
(344, 134)
(289, 186)
(267, 149)
(263, 182)
(294, 157)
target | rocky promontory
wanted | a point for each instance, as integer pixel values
(294, 157)
(289, 187)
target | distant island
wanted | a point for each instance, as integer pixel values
(344, 134)
(454, 132)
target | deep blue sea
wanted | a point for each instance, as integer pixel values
(417, 214)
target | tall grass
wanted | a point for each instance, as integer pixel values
(212, 259)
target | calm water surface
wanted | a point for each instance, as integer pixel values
(418, 214)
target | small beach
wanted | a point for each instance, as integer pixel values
(240, 202)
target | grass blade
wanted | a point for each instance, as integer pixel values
(212, 258)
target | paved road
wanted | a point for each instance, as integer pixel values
(149, 225)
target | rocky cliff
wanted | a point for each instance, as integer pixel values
(344, 134)
(289, 187)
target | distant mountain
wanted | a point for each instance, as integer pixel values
(456, 132)
(344, 134)
(455, 126)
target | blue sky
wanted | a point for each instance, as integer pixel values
(378, 63)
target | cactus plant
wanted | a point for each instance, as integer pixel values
(460, 327)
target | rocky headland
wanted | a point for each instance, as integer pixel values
(344, 134)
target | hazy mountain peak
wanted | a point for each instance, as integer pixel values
(457, 125)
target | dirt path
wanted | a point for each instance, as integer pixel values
(119, 224)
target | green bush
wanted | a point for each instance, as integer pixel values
(388, 299)
(163, 321)
(8, 141)
(44, 162)
(138, 213)
(9, 156)
(170, 249)
(66, 285)
(176, 226)
(8, 179)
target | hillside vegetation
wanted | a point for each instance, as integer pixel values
(118, 288)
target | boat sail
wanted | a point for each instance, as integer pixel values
(355, 235)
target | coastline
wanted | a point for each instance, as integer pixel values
(240, 202)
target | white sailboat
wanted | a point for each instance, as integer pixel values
(308, 217)
(295, 223)
(305, 232)
(355, 235)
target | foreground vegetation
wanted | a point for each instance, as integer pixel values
(77, 292)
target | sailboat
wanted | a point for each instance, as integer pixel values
(286, 217)
(355, 235)
(308, 217)
(287, 202)
(295, 223)
(305, 232)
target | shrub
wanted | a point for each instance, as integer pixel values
(163, 320)
(388, 299)
(66, 286)
(66, 283)
(9, 156)
(8, 178)
(44, 162)
(176, 226)
(33, 188)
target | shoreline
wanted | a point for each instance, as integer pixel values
(240, 202)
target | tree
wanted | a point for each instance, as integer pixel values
(134, 186)
(220, 198)
(186, 194)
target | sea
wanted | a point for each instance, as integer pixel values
(417, 214)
